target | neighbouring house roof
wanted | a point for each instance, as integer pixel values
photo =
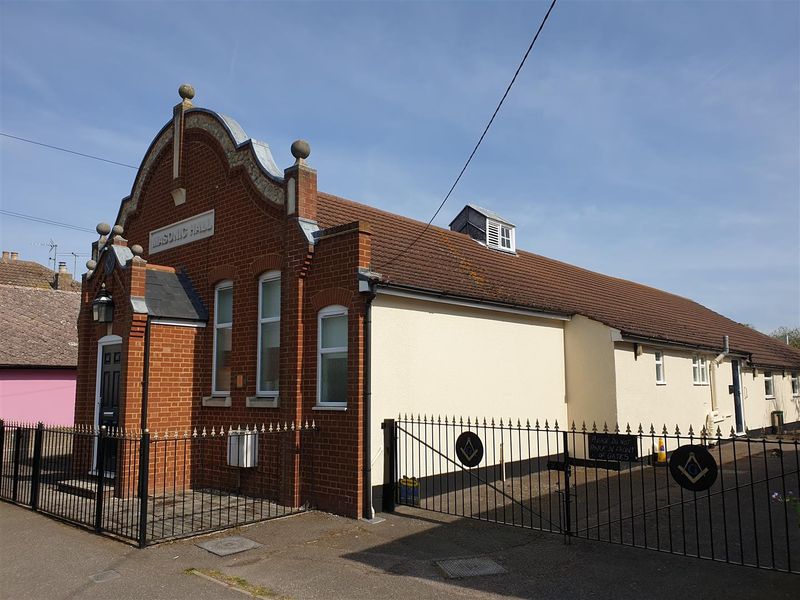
(27, 273)
(448, 262)
(38, 327)
(171, 296)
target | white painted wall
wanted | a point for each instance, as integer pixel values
(640, 399)
(758, 408)
(590, 373)
(439, 359)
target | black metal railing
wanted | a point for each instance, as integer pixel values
(723, 498)
(148, 487)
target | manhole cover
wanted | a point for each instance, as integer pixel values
(104, 576)
(456, 568)
(229, 545)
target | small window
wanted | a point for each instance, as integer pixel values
(332, 357)
(499, 236)
(795, 384)
(660, 378)
(223, 325)
(769, 385)
(269, 335)
(699, 370)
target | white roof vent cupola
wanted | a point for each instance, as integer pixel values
(486, 227)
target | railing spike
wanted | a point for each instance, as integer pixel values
(527, 423)
(594, 427)
(555, 427)
(616, 426)
(733, 432)
(537, 424)
(652, 429)
(640, 430)
(204, 432)
(546, 426)
(664, 431)
(628, 428)
(605, 427)
(691, 432)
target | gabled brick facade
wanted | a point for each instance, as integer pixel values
(253, 234)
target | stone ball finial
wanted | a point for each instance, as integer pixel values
(117, 230)
(91, 264)
(103, 228)
(186, 91)
(301, 150)
(137, 250)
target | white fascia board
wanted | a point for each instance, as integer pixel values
(443, 299)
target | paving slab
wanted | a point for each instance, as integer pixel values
(321, 556)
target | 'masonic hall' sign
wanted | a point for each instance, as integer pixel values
(183, 232)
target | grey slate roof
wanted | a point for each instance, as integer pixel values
(171, 296)
(38, 327)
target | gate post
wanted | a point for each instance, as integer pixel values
(17, 447)
(101, 475)
(567, 493)
(37, 465)
(389, 465)
(144, 475)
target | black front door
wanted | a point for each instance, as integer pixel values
(109, 400)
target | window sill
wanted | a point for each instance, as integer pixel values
(661, 383)
(261, 402)
(769, 397)
(334, 407)
(700, 384)
(216, 400)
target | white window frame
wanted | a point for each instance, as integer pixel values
(495, 237)
(329, 311)
(769, 382)
(699, 370)
(222, 285)
(795, 383)
(659, 360)
(269, 276)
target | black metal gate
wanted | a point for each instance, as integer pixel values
(730, 499)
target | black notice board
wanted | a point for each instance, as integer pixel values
(613, 446)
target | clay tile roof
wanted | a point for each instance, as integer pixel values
(29, 274)
(38, 327)
(452, 263)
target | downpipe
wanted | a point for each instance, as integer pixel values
(369, 510)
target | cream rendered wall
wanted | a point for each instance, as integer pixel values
(590, 376)
(758, 408)
(438, 359)
(641, 400)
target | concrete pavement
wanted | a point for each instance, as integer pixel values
(317, 555)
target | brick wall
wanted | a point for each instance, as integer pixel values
(252, 235)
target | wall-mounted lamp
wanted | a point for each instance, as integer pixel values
(103, 307)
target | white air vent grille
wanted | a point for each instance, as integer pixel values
(492, 234)
(499, 236)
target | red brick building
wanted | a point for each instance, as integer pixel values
(243, 295)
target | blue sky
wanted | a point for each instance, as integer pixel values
(657, 141)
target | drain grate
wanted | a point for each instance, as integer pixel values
(456, 568)
(229, 545)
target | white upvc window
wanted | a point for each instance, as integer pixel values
(795, 384)
(269, 335)
(660, 373)
(500, 236)
(223, 325)
(769, 385)
(332, 357)
(699, 370)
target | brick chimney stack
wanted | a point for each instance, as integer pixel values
(14, 256)
(63, 277)
(6, 255)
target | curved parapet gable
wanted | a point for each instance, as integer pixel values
(253, 155)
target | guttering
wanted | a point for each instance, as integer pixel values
(369, 510)
(145, 373)
(444, 298)
(650, 341)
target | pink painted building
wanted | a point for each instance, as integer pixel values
(38, 342)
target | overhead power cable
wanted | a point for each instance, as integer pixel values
(17, 215)
(475, 149)
(22, 139)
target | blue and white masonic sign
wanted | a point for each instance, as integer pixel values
(693, 468)
(469, 449)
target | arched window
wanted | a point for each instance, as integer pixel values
(269, 334)
(332, 357)
(223, 325)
